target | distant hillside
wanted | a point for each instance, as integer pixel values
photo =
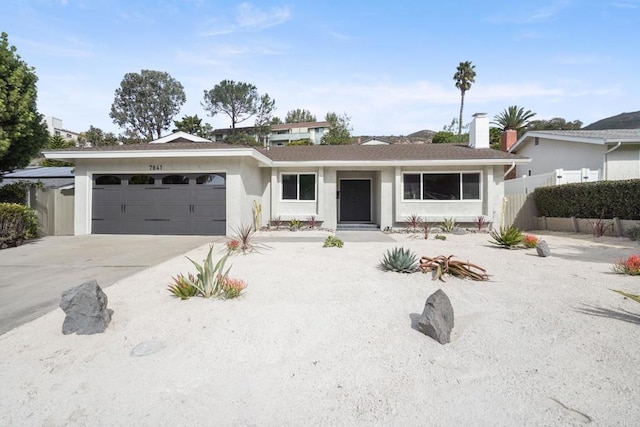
(621, 121)
(421, 137)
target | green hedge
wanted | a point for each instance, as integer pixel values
(17, 223)
(14, 193)
(619, 199)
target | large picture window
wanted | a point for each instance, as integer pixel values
(298, 186)
(441, 186)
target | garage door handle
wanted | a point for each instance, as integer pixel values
(157, 219)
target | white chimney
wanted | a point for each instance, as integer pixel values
(479, 131)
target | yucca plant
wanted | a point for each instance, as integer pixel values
(244, 236)
(507, 237)
(400, 260)
(481, 221)
(312, 221)
(448, 224)
(636, 298)
(182, 287)
(442, 265)
(413, 222)
(210, 277)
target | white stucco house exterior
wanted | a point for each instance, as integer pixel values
(200, 187)
(615, 152)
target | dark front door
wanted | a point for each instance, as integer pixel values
(355, 200)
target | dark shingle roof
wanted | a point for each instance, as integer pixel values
(383, 152)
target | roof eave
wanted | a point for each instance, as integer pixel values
(387, 163)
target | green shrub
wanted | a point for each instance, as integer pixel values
(448, 224)
(400, 260)
(17, 223)
(633, 233)
(440, 237)
(15, 192)
(588, 200)
(332, 242)
(507, 237)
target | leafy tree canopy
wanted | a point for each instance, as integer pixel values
(22, 133)
(193, 125)
(494, 138)
(465, 75)
(276, 120)
(513, 117)
(97, 138)
(264, 115)
(57, 142)
(299, 116)
(146, 102)
(238, 100)
(557, 123)
(448, 137)
(339, 129)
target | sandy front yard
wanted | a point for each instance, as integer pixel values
(323, 337)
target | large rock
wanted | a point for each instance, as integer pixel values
(543, 249)
(437, 318)
(86, 309)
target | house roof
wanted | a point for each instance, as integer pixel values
(179, 136)
(41, 172)
(312, 155)
(601, 137)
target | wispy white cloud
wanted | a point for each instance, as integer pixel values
(251, 17)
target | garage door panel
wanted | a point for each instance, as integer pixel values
(159, 209)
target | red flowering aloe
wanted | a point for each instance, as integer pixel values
(629, 266)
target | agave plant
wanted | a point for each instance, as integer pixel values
(400, 260)
(442, 265)
(507, 237)
(210, 277)
(636, 298)
(182, 287)
(448, 224)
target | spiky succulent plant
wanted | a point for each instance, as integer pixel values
(507, 237)
(400, 260)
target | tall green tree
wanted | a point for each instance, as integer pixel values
(513, 117)
(465, 75)
(238, 100)
(57, 142)
(146, 102)
(194, 126)
(556, 123)
(264, 115)
(96, 137)
(339, 129)
(299, 116)
(22, 133)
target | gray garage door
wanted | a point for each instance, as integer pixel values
(159, 204)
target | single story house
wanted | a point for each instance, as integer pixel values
(212, 188)
(614, 152)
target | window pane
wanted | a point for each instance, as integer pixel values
(141, 180)
(215, 179)
(175, 179)
(441, 186)
(411, 186)
(107, 180)
(307, 187)
(471, 186)
(290, 187)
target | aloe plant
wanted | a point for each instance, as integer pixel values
(507, 237)
(400, 260)
(442, 265)
(448, 224)
(182, 287)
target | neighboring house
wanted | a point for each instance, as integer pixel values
(211, 188)
(373, 141)
(285, 133)
(615, 152)
(54, 127)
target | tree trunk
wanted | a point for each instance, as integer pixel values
(461, 108)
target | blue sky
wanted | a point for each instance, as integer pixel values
(388, 65)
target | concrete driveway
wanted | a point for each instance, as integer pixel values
(33, 276)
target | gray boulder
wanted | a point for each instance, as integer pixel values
(543, 249)
(437, 318)
(86, 309)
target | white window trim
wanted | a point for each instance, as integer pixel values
(421, 200)
(297, 199)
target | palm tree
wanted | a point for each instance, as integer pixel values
(464, 76)
(513, 117)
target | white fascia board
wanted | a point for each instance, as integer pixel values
(622, 140)
(388, 163)
(570, 138)
(141, 154)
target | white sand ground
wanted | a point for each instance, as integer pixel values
(322, 337)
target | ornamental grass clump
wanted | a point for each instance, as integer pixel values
(442, 265)
(630, 266)
(507, 237)
(400, 260)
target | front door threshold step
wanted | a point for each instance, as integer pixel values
(363, 227)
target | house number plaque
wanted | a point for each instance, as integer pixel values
(155, 167)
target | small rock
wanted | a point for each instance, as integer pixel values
(543, 249)
(146, 348)
(459, 231)
(437, 318)
(86, 309)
